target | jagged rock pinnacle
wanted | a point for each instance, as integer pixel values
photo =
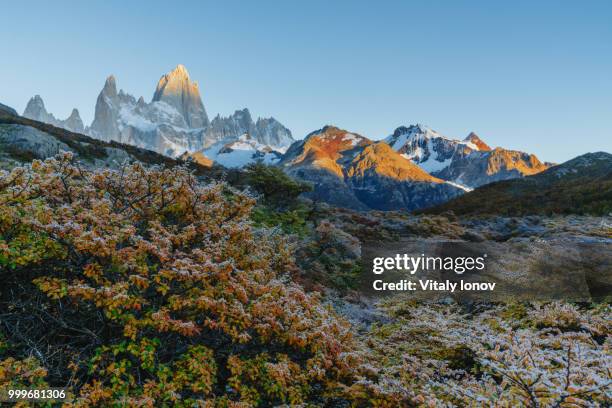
(177, 90)
(110, 86)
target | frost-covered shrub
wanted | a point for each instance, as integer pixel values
(331, 257)
(427, 225)
(560, 315)
(144, 287)
(508, 365)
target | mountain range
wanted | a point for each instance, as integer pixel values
(174, 122)
(349, 170)
(414, 167)
(346, 170)
(36, 110)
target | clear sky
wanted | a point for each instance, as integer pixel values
(534, 75)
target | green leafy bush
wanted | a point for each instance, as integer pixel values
(277, 188)
(294, 221)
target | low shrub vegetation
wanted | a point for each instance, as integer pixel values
(143, 286)
(278, 189)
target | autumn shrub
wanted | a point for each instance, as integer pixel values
(556, 315)
(19, 373)
(143, 287)
(147, 287)
(427, 225)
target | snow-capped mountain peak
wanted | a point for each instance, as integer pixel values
(175, 121)
(475, 142)
(426, 147)
(413, 133)
(469, 162)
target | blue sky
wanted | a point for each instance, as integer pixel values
(534, 76)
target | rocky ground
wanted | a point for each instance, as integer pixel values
(541, 349)
(531, 258)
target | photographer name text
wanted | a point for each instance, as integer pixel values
(432, 285)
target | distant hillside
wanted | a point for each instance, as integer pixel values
(29, 139)
(582, 185)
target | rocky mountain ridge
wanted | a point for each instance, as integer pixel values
(266, 131)
(349, 170)
(469, 162)
(345, 169)
(36, 110)
(7, 110)
(174, 122)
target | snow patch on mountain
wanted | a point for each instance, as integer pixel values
(461, 186)
(433, 165)
(241, 152)
(353, 139)
(128, 117)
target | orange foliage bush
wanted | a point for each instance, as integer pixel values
(150, 288)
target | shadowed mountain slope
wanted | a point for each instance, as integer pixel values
(582, 185)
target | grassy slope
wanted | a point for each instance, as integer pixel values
(587, 190)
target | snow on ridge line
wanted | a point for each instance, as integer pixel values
(351, 137)
(239, 153)
(419, 132)
(461, 186)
